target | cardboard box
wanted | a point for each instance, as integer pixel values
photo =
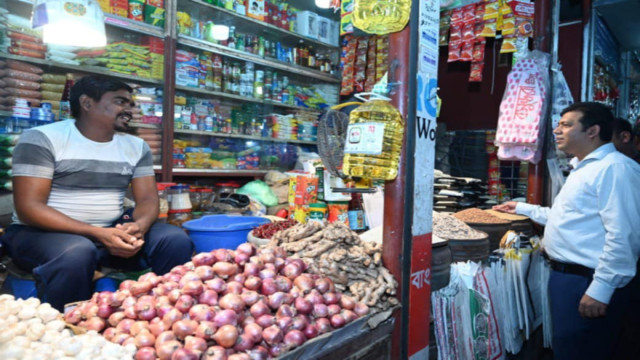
(328, 31)
(255, 9)
(307, 24)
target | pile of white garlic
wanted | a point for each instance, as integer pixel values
(32, 330)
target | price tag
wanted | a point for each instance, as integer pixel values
(365, 138)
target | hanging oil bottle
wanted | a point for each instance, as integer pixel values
(381, 16)
(374, 139)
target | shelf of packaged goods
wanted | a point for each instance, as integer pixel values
(145, 126)
(241, 55)
(250, 24)
(133, 25)
(82, 69)
(218, 172)
(238, 136)
(242, 98)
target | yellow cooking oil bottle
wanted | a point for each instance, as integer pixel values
(381, 16)
(374, 139)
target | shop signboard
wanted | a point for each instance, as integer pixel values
(424, 158)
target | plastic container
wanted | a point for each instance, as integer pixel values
(317, 212)
(221, 231)
(338, 211)
(178, 217)
(179, 197)
(374, 141)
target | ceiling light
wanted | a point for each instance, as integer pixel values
(70, 22)
(323, 4)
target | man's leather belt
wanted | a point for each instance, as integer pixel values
(573, 269)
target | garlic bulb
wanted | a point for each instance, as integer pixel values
(27, 313)
(47, 313)
(55, 325)
(71, 346)
(35, 331)
(6, 335)
(32, 302)
(18, 328)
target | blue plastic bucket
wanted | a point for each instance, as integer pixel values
(221, 231)
(20, 288)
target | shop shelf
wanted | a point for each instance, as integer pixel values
(132, 25)
(145, 126)
(218, 172)
(82, 69)
(242, 98)
(157, 168)
(238, 136)
(247, 24)
(241, 55)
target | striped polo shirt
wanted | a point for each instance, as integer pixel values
(88, 178)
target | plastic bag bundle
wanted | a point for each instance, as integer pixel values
(521, 123)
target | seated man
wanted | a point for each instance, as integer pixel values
(69, 181)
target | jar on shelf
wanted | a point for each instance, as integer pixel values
(180, 199)
(225, 189)
(207, 198)
(178, 217)
(163, 198)
(194, 197)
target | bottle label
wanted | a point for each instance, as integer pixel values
(365, 138)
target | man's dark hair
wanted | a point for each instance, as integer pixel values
(94, 86)
(620, 125)
(594, 113)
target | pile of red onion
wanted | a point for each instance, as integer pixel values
(223, 304)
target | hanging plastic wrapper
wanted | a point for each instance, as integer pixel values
(465, 318)
(522, 119)
(374, 137)
(381, 16)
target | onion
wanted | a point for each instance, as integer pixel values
(295, 292)
(118, 297)
(251, 269)
(267, 255)
(320, 311)
(138, 327)
(188, 276)
(279, 263)
(144, 338)
(184, 303)
(272, 335)
(105, 310)
(205, 330)
(280, 252)
(196, 344)
(331, 298)
(146, 353)
(324, 285)
(361, 309)
(259, 353)
(89, 310)
(270, 266)
(232, 302)
(284, 322)
(239, 356)
(120, 338)
(266, 320)
(173, 295)
(284, 284)
(314, 297)
(303, 306)
(254, 331)
(310, 331)
(179, 270)
(171, 277)
(259, 308)
(184, 354)
(241, 258)
(246, 248)
(215, 352)
(347, 302)
(201, 312)
(124, 326)
(250, 297)
(244, 342)
(294, 338)
(277, 349)
(205, 258)
(208, 297)
(239, 277)
(300, 263)
(223, 255)
(162, 309)
(267, 274)
(130, 312)
(269, 286)
(172, 316)
(204, 272)
(165, 336)
(183, 328)
(291, 271)
(109, 333)
(140, 287)
(126, 284)
(151, 277)
(247, 319)
(275, 300)
(348, 316)
(234, 287)
(300, 322)
(226, 336)
(158, 327)
(145, 308)
(323, 325)
(225, 317)
(193, 288)
(113, 319)
(216, 284)
(285, 310)
(333, 309)
(337, 321)
(252, 282)
(159, 290)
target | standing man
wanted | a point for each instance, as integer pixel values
(591, 237)
(624, 139)
(69, 182)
